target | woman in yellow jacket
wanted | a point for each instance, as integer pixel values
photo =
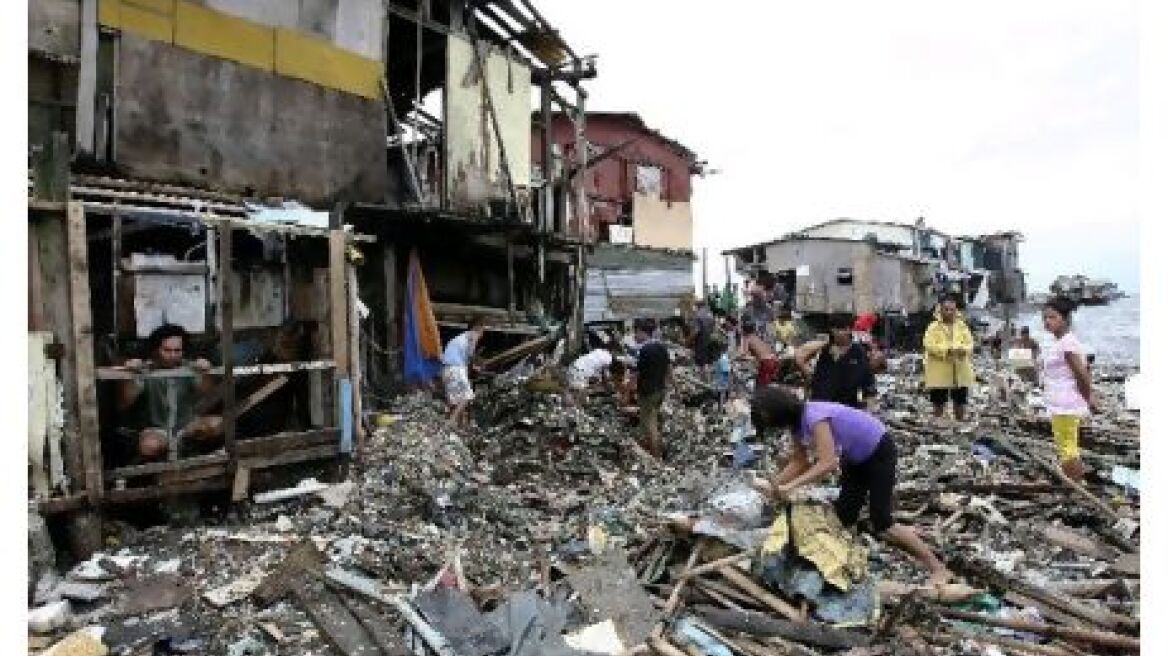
(948, 370)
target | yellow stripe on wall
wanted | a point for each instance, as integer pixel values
(287, 52)
(226, 37)
(147, 23)
(165, 7)
(316, 60)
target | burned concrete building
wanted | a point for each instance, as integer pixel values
(637, 187)
(254, 170)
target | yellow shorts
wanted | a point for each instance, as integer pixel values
(1066, 436)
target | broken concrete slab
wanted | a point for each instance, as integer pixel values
(453, 614)
(78, 591)
(336, 496)
(237, 590)
(609, 589)
(154, 593)
(50, 617)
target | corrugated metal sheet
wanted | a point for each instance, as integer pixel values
(631, 293)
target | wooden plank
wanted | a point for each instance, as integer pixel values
(743, 582)
(82, 336)
(184, 474)
(300, 455)
(343, 631)
(147, 469)
(274, 444)
(760, 624)
(156, 491)
(36, 301)
(241, 484)
(121, 373)
(338, 303)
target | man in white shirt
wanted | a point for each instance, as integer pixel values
(587, 368)
(456, 365)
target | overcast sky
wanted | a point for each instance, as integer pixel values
(979, 116)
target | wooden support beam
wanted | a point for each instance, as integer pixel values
(227, 340)
(83, 350)
(355, 364)
(760, 624)
(1097, 638)
(338, 303)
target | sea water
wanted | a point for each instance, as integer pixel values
(1111, 332)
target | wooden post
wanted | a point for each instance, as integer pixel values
(227, 340)
(355, 363)
(338, 303)
(705, 286)
(115, 266)
(548, 195)
(510, 280)
(78, 263)
(391, 316)
(85, 526)
(580, 201)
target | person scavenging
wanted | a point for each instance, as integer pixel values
(1066, 385)
(860, 445)
(652, 382)
(457, 363)
(842, 373)
(948, 346)
(159, 410)
(754, 346)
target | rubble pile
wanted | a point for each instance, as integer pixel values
(545, 531)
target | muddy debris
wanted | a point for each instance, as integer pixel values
(541, 531)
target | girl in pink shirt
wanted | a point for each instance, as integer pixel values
(1066, 385)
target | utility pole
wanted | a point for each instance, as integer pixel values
(705, 287)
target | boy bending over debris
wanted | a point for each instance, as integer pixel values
(457, 361)
(838, 433)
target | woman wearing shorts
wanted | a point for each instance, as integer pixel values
(859, 444)
(1066, 385)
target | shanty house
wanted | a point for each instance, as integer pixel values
(638, 185)
(238, 167)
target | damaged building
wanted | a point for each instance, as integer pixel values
(254, 170)
(897, 270)
(637, 187)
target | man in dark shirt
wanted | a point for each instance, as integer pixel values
(842, 371)
(652, 382)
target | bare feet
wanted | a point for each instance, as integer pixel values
(1074, 469)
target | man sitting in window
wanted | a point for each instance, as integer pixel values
(160, 410)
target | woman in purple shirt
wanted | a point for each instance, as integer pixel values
(858, 443)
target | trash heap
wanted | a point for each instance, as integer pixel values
(545, 531)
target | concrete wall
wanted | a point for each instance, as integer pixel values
(186, 117)
(54, 27)
(473, 161)
(658, 223)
